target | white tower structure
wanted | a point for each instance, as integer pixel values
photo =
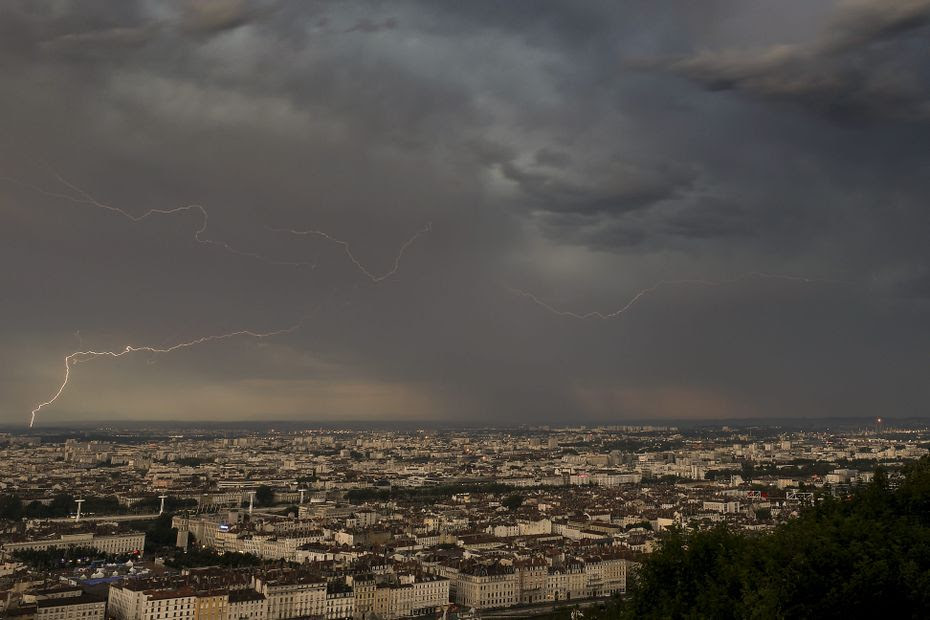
(251, 500)
(161, 509)
(77, 516)
(302, 491)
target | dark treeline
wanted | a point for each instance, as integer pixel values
(13, 507)
(205, 557)
(192, 461)
(66, 557)
(865, 555)
(440, 491)
(159, 533)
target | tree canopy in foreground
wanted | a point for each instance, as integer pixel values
(867, 555)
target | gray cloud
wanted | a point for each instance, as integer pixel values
(870, 60)
(213, 16)
(620, 187)
(543, 161)
(369, 26)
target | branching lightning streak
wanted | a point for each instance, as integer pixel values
(77, 357)
(348, 250)
(86, 198)
(652, 289)
(80, 196)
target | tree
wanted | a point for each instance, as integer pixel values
(843, 557)
(62, 505)
(56, 558)
(208, 557)
(646, 525)
(36, 510)
(512, 502)
(264, 496)
(11, 507)
(159, 533)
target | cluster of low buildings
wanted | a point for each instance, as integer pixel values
(106, 538)
(59, 603)
(311, 591)
(379, 524)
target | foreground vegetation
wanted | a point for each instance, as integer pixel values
(867, 555)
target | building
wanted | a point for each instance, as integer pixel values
(567, 582)
(485, 585)
(606, 574)
(531, 580)
(62, 603)
(408, 595)
(292, 594)
(211, 605)
(117, 543)
(246, 604)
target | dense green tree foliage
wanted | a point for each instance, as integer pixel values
(159, 533)
(11, 507)
(866, 555)
(427, 493)
(192, 461)
(62, 505)
(207, 557)
(66, 557)
(172, 504)
(264, 495)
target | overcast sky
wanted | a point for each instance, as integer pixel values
(759, 171)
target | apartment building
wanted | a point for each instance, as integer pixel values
(211, 605)
(411, 595)
(131, 602)
(123, 542)
(566, 582)
(292, 594)
(606, 574)
(63, 603)
(531, 580)
(483, 585)
(246, 604)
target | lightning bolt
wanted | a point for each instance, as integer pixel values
(80, 196)
(348, 250)
(84, 197)
(635, 299)
(72, 359)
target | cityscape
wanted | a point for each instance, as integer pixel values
(464, 310)
(149, 524)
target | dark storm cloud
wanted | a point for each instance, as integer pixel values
(547, 156)
(214, 16)
(102, 39)
(622, 188)
(711, 219)
(104, 27)
(366, 25)
(871, 60)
